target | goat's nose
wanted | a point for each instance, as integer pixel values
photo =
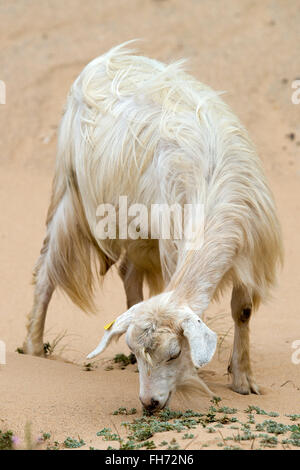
(151, 405)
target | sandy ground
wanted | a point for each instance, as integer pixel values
(250, 49)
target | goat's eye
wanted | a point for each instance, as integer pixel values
(174, 357)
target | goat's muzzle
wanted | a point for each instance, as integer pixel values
(154, 405)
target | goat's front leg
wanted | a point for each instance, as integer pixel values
(240, 367)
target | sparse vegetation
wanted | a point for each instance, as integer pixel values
(71, 443)
(50, 348)
(124, 360)
(294, 417)
(6, 440)
(89, 366)
(124, 411)
(20, 350)
(259, 411)
(140, 432)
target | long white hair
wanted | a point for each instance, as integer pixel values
(134, 126)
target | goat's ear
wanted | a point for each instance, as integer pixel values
(118, 327)
(202, 340)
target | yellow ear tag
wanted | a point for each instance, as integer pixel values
(109, 325)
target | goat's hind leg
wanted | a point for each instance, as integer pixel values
(240, 367)
(43, 281)
(33, 343)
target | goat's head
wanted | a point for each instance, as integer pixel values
(170, 342)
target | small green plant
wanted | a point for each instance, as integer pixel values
(269, 441)
(124, 360)
(89, 366)
(124, 411)
(273, 414)
(294, 417)
(216, 400)
(104, 432)
(6, 440)
(47, 349)
(55, 446)
(50, 348)
(163, 443)
(227, 410)
(148, 445)
(231, 448)
(271, 427)
(293, 441)
(211, 430)
(173, 445)
(108, 435)
(259, 411)
(71, 443)
(188, 436)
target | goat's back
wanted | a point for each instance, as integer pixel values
(136, 127)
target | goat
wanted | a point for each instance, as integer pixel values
(134, 126)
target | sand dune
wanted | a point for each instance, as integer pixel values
(247, 48)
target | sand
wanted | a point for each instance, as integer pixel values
(249, 49)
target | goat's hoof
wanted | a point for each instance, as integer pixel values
(33, 350)
(245, 385)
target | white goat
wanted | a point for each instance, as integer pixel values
(136, 127)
